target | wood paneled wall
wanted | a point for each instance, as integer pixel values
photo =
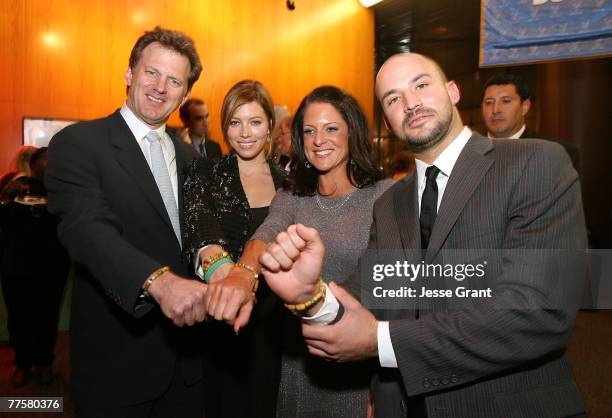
(66, 59)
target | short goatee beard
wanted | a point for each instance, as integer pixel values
(436, 135)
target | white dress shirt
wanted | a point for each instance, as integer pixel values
(516, 135)
(140, 129)
(445, 162)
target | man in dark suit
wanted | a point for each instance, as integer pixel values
(506, 100)
(497, 353)
(115, 184)
(194, 114)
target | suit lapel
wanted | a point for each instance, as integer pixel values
(405, 206)
(467, 174)
(130, 157)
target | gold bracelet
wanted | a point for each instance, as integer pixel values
(152, 278)
(255, 274)
(206, 264)
(301, 307)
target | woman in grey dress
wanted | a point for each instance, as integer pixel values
(332, 186)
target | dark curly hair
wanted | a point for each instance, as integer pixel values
(361, 169)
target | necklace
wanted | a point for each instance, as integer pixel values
(337, 205)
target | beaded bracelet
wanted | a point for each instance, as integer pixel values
(298, 308)
(206, 264)
(255, 274)
(151, 279)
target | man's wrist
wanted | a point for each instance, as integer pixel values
(152, 277)
(156, 288)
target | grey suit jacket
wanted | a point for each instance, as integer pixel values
(497, 357)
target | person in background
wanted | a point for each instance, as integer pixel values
(506, 100)
(402, 165)
(20, 166)
(194, 114)
(281, 142)
(32, 290)
(245, 368)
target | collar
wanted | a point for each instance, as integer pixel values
(447, 159)
(138, 128)
(515, 135)
(518, 133)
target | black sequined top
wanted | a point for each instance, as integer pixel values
(219, 193)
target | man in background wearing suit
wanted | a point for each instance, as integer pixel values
(495, 356)
(194, 114)
(505, 102)
(116, 185)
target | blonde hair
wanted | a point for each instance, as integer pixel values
(21, 159)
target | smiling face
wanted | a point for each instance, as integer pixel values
(417, 100)
(248, 131)
(326, 138)
(503, 111)
(157, 84)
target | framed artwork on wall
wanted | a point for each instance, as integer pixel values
(39, 131)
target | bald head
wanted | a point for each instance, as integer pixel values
(418, 101)
(406, 60)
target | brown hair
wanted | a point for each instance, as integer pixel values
(246, 91)
(174, 40)
(185, 112)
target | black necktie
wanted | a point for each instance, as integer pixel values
(429, 205)
(202, 149)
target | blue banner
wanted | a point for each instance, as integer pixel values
(527, 31)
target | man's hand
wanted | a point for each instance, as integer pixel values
(231, 299)
(352, 338)
(180, 299)
(292, 263)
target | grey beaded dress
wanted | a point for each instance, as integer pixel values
(311, 387)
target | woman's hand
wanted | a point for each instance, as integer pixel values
(231, 298)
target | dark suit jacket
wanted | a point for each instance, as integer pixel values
(213, 150)
(498, 357)
(115, 226)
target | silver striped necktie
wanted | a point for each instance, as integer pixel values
(162, 178)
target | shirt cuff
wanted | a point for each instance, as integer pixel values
(386, 355)
(328, 311)
(197, 266)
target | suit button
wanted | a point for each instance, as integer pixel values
(444, 380)
(426, 383)
(435, 382)
(454, 379)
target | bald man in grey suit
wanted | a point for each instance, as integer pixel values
(496, 356)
